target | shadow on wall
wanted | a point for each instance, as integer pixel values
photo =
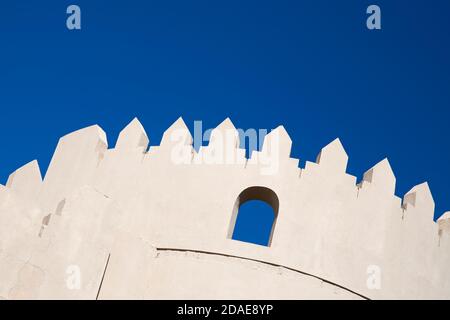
(254, 216)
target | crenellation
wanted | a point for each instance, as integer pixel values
(444, 230)
(420, 197)
(380, 177)
(76, 158)
(333, 157)
(176, 132)
(223, 147)
(279, 141)
(176, 145)
(133, 136)
(144, 216)
(444, 222)
(26, 180)
(224, 134)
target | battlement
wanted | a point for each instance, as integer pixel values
(157, 223)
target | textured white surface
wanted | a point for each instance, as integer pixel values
(138, 224)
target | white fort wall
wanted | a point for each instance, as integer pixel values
(127, 223)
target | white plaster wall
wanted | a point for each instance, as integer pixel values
(139, 225)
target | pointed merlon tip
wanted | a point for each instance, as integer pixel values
(277, 141)
(132, 136)
(281, 132)
(95, 131)
(177, 124)
(226, 124)
(445, 216)
(32, 166)
(177, 130)
(179, 121)
(335, 147)
(422, 187)
(333, 155)
(382, 176)
(381, 169)
(336, 143)
(33, 163)
(417, 194)
(384, 164)
(225, 133)
(27, 174)
(135, 123)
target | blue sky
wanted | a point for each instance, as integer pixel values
(310, 65)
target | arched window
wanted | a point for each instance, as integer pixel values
(254, 216)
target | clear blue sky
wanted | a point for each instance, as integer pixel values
(309, 65)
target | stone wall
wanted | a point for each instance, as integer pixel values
(134, 223)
